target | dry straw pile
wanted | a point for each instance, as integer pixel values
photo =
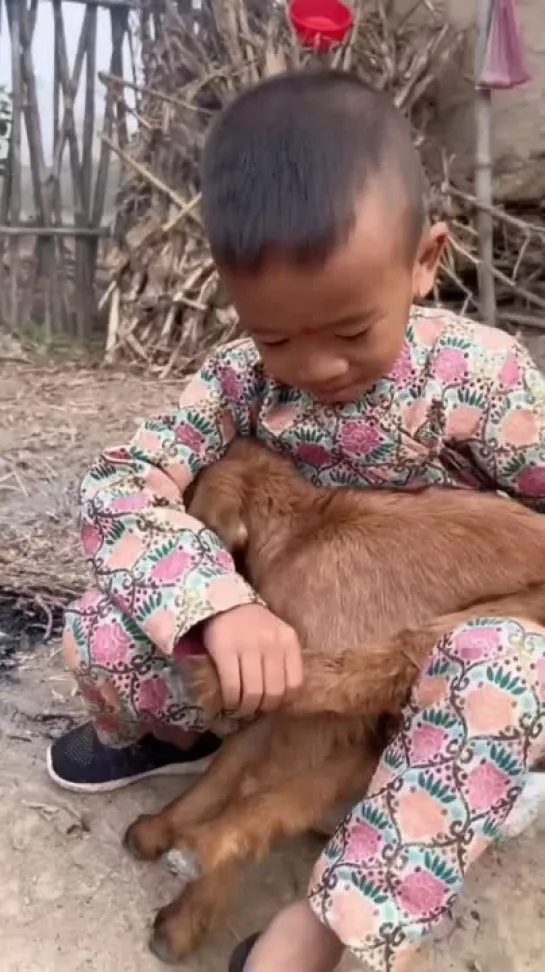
(166, 307)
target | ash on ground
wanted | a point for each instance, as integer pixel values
(24, 625)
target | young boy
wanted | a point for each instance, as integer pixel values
(314, 202)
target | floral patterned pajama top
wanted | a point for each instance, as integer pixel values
(464, 405)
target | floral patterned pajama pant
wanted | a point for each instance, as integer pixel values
(473, 727)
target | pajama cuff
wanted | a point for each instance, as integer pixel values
(372, 926)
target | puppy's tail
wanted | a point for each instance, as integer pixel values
(377, 678)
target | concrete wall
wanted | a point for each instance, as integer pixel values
(519, 115)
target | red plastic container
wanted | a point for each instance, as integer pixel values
(321, 24)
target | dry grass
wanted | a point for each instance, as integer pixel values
(55, 417)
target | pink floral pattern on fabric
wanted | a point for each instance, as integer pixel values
(392, 872)
(126, 684)
(355, 437)
(111, 644)
(451, 365)
(459, 408)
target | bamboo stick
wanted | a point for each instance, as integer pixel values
(32, 229)
(54, 189)
(46, 250)
(483, 172)
(81, 297)
(120, 24)
(115, 79)
(14, 21)
(523, 225)
(70, 84)
(86, 248)
(89, 112)
(111, 101)
(69, 90)
(32, 17)
(109, 4)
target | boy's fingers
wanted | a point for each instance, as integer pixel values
(293, 661)
(229, 676)
(251, 673)
(274, 677)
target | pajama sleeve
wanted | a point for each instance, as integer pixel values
(160, 566)
(506, 438)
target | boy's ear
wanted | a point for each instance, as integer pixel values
(428, 258)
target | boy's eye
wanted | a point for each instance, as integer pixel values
(353, 337)
(274, 344)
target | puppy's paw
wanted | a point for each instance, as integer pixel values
(180, 928)
(146, 839)
(160, 947)
(205, 685)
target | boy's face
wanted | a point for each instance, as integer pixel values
(334, 331)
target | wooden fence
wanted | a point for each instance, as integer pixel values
(48, 261)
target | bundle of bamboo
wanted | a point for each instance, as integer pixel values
(166, 305)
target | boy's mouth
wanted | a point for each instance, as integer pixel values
(340, 395)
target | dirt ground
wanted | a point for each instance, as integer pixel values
(72, 900)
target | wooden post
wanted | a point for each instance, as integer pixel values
(484, 172)
(119, 23)
(14, 21)
(45, 258)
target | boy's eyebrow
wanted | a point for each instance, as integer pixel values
(354, 319)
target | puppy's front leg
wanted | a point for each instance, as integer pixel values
(269, 807)
(149, 837)
(180, 928)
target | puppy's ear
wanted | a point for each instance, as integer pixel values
(217, 502)
(231, 530)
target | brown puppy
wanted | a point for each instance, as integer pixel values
(370, 580)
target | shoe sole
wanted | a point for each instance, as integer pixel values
(195, 768)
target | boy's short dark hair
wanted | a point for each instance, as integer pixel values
(285, 164)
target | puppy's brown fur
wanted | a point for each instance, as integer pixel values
(370, 580)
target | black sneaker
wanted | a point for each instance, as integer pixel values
(78, 761)
(242, 953)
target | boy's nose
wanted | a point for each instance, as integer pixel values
(323, 369)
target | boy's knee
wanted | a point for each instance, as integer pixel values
(487, 638)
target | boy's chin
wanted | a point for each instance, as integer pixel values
(343, 396)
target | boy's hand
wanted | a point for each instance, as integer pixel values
(258, 658)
